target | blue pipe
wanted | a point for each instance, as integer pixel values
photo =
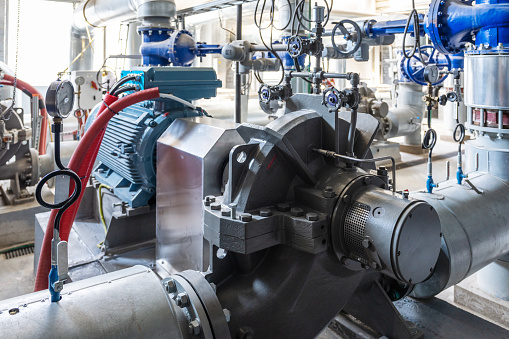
(375, 29)
(458, 60)
(451, 24)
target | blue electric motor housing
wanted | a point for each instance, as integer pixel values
(128, 152)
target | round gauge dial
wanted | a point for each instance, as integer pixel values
(80, 81)
(60, 99)
(431, 74)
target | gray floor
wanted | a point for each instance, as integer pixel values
(17, 276)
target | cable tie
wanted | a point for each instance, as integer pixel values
(108, 107)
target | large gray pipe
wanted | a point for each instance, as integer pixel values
(405, 120)
(130, 303)
(474, 226)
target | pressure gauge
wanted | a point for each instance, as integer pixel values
(431, 74)
(80, 81)
(60, 99)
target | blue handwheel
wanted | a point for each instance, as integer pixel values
(413, 68)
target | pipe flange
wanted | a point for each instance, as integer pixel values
(181, 289)
(175, 53)
(190, 290)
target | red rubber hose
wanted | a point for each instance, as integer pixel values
(82, 162)
(31, 91)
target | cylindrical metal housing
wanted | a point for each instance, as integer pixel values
(487, 93)
(124, 304)
(486, 83)
(474, 227)
(399, 237)
(485, 154)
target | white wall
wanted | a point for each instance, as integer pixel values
(43, 39)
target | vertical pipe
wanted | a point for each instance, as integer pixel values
(501, 119)
(79, 40)
(238, 77)
(5, 24)
(337, 137)
(105, 53)
(133, 46)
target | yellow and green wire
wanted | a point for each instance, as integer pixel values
(101, 213)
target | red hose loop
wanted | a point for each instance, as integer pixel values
(82, 163)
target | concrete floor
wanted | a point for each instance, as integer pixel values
(17, 276)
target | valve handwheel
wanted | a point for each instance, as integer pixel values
(414, 68)
(264, 94)
(355, 36)
(332, 99)
(295, 46)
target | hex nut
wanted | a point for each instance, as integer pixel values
(215, 206)
(311, 216)
(367, 180)
(209, 200)
(182, 300)
(245, 217)
(283, 207)
(328, 192)
(225, 212)
(297, 211)
(265, 212)
(170, 286)
(194, 327)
